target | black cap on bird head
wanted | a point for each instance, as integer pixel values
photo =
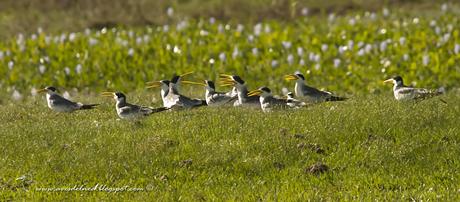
(238, 79)
(51, 88)
(120, 95)
(265, 89)
(210, 84)
(175, 79)
(299, 75)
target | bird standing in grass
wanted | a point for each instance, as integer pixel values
(242, 91)
(402, 92)
(59, 104)
(308, 93)
(129, 111)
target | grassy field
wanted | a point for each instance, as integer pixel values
(373, 147)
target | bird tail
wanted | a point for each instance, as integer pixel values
(159, 109)
(335, 98)
(90, 106)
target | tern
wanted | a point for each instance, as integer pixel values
(126, 110)
(214, 98)
(309, 93)
(267, 101)
(59, 104)
(241, 91)
(403, 92)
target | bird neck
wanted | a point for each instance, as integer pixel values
(298, 87)
(120, 103)
(242, 92)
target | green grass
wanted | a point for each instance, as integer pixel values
(375, 148)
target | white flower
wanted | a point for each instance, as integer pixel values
(138, 40)
(373, 16)
(352, 22)
(444, 7)
(211, 61)
(457, 48)
(131, 52)
(165, 28)
(287, 44)
(324, 47)
(250, 38)
(220, 28)
(402, 41)
(42, 69)
(437, 30)
(302, 62)
(331, 17)
(92, 41)
(255, 51)
(257, 29)
(130, 33)
(342, 49)
(78, 68)
(235, 53)
(222, 56)
(177, 50)
(16, 95)
(212, 20)
(10, 65)
(204, 33)
(1, 55)
(426, 60)
(274, 63)
(406, 57)
(290, 59)
(351, 44)
(317, 66)
(361, 52)
(368, 48)
(433, 23)
(304, 11)
(383, 46)
(66, 70)
(33, 37)
(33, 91)
(181, 25)
(386, 12)
(72, 36)
(239, 28)
(267, 28)
(170, 11)
(337, 62)
(299, 51)
(87, 31)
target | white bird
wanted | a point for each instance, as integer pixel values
(267, 101)
(402, 92)
(310, 94)
(59, 104)
(242, 91)
(129, 111)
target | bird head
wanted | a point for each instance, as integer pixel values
(231, 80)
(262, 92)
(295, 77)
(163, 84)
(118, 96)
(397, 80)
(49, 89)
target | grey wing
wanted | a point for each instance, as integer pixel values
(222, 98)
(130, 109)
(188, 102)
(57, 100)
(315, 92)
